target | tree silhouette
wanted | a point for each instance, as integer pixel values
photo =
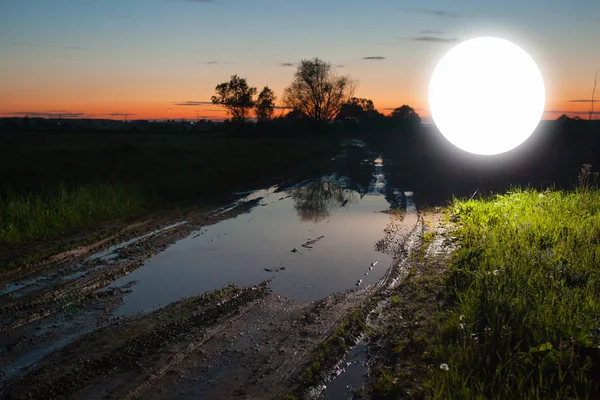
(236, 96)
(565, 118)
(405, 117)
(314, 201)
(358, 110)
(265, 105)
(316, 92)
(406, 113)
(293, 116)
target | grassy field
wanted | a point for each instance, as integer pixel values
(54, 183)
(28, 217)
(523, 299)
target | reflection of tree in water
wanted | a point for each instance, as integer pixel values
(314, 201)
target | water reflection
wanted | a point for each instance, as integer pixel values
(314, 201)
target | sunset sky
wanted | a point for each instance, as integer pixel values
(157, 59)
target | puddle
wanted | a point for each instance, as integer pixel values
(32, 357)
(259, 245)
(348, 376)
(108, 253)
(27, 286)
(16, 286)
(312, 240)
(251, 195)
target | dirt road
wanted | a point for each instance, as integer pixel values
(230, 343)
(59, 340)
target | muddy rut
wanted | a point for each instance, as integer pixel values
(59, 338)
(229, 343)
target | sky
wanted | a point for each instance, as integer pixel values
(161, 59)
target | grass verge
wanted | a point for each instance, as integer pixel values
(28, 217)
(399, 346)
(523, 299)
(330, 350)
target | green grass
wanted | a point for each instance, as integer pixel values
(53, 184)
(28, 217)
(524, 293)
(331, 349)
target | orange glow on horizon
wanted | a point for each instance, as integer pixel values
(160, 110)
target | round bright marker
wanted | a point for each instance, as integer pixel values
(486, 95)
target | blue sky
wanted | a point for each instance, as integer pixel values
(97, 55)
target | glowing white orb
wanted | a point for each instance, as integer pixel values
(486, 95)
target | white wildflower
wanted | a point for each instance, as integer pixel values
(461, 318)
(444, 367)
(496, 272)
(461, 326)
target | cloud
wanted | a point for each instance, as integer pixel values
(439, 13)
(74, 47)
(567, 112)
(27, 44)
(119, 114)
(115, 15)
(193, 103)
(210, 117)
(214, 62)
(66, 47)
(393, 108)
(583, 101)
(374, 58)
(287, 65)
(431, 32)
(434, 39)
(50, 114)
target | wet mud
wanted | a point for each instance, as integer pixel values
(62, 336)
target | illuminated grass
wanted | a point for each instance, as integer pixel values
(524, 292)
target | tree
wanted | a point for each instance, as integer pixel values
(358, 110)
(265, 105)
(316, 92)
(405, 118)
(314, 201)
(236, 96)
(293, 115)
(566, 119)
(406, 114)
